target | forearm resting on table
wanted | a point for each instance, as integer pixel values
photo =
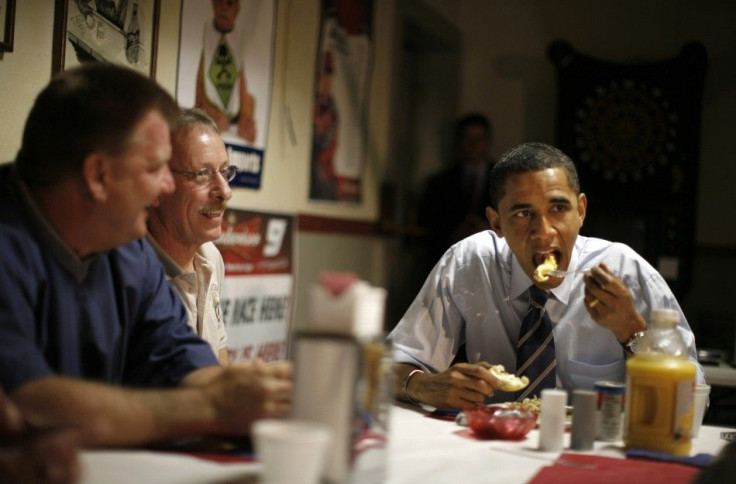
(107, 415)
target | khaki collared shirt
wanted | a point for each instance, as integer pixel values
(200, 291)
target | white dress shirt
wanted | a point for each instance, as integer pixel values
(477, 294)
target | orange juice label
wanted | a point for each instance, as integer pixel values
(683, 421)
(659, 403)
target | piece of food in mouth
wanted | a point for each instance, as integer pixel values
(509, 381)
(549, 265)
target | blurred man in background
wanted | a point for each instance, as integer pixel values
(455, 200)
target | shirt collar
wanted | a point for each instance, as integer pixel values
(45, 232)
(170, 266)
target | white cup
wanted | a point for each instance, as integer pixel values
(701, 397)
(291, 451)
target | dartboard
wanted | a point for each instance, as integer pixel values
(631, 123)
(625, 131)
(633, 131)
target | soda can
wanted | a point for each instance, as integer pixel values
(610, 410)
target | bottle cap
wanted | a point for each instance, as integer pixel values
(665, 318)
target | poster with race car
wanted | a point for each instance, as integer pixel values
(258, 291)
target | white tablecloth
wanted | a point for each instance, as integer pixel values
(427, 450)
(421, 450)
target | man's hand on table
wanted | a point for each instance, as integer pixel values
(47, 456)
(457, 387)
(213, 400)
(609, 303)
(51, 457)
(246, 391)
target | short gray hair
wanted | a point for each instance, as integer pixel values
(194, 117)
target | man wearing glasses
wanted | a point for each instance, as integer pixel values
(183, 224)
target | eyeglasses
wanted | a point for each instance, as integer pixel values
(205, 176)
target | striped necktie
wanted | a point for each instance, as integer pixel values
(535, 351)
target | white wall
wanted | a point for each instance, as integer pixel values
(285, 184)
(24, 72)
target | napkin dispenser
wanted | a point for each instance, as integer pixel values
(343, 376)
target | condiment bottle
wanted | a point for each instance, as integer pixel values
(660, 383)
(584, 404)
(552, 425)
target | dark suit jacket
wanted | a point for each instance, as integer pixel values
(445, 204)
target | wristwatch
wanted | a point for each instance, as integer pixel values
(630, 344)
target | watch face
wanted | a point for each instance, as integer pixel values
(632, 345)
(634, 341)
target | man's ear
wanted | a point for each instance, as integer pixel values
(494, 219)
(96, 175)
(582, 207)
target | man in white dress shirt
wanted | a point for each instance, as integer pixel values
(478, 292)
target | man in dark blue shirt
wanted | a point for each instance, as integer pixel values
(90, 331)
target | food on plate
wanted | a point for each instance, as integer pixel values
(509, 381)
(496, 414)
(533, 405)
(543, 269)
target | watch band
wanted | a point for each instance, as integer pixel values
(628, 345)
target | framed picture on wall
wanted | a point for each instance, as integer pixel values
(120, 31)
(7, 20)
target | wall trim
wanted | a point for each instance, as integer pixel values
(333, 225)
(344, 226)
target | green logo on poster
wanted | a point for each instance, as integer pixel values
(223, 71)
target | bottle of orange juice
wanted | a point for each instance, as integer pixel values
(660, 384)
